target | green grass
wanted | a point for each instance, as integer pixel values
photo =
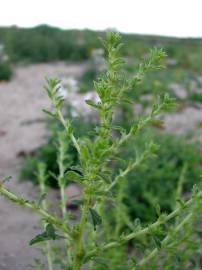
(5, 71)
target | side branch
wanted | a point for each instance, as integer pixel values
(162, 220)
(32, 205)
(151, 149)
(166, 240)
(156, 109)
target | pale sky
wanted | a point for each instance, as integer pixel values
(162, 17)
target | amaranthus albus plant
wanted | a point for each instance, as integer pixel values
(95, 239)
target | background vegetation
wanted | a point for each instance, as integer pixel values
(46, 43)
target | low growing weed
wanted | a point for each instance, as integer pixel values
(47, 153)
(96, 240)
(5, 67)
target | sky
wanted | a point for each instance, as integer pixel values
(182, 18)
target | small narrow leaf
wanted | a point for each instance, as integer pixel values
(41, 199)
(96, 218)
(52, 114)
(157, 241)
(102, 262)
(7, 179)
(91, 103)
(74, 176)
(50, 230)
(49, 234)
(181, 202)
(77, 201)
(158, 210)
(77, 169)
(39, 238)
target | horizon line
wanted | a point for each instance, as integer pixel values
(101, 30)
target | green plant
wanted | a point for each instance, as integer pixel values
(160, 174)
(196, 96)
(91, 239)
(44, 205)
(47, 152)
(86, 81)
(5, 71)
(156, 181)
(5, 67)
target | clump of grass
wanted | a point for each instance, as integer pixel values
(5, 67)
(5, 71)
(196, 96)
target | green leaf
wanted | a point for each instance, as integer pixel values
(41, 199)
(134, 261)
(117, 62)
(59, 101)
(77, 169)
(52, 114)
(74, 176)
(103, 193)
(49, 234)
(157, 241)
(77, 201)
(6, 179)
(181, 202)
(195, 190)
(103, 262)
(84, 152)
(39, 238)
(158, 210)
(91, 103)
(37, 264)
(137, 224)
(96, 218)
(200, 262)
(50, 230)
(53, 175)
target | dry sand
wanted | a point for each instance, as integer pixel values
(22, 128)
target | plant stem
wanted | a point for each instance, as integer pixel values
(130, 167)
(61, 160)
(144, 231)
(32, 205)
(49, 256)
(64, 123)
(42, 179)
(181, 182)
(155, 251)
(77, 263)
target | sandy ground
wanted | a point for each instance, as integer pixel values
(22, 128)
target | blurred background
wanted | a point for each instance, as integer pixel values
(60, 39)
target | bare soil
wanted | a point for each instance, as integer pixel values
(22, 129)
